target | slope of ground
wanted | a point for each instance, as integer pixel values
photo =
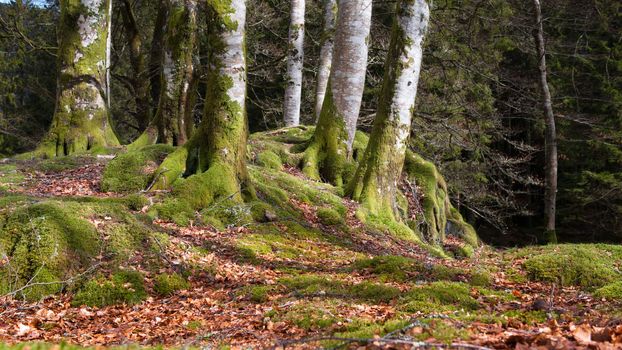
(304, 274)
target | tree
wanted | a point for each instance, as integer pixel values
(81, 120)
(295, 59)
(326, 53)
(170, 125)
(550, 137)
(140, 78)
(376, 179)
(331, 144)
(217, 152)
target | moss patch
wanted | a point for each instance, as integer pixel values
(124, 287)
(611, 291)
(586, 265)
(167, 284)
(314, 285)
(453, 294)
(270, 160)
(134, 171)
(330, 217)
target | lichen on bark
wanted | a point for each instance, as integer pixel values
(81, 119)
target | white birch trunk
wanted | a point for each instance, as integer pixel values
(349, 64)
(293, 79)
(375, 182)
(326, 53)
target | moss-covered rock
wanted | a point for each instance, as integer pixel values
(54, 242)
(134, 170)
(585, 265)
(124, 287)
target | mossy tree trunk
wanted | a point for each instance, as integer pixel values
(81, 120)
(376, 179)
(295, 58)
(140, 80)
(550, 137)
(331, 145)
(170, 124)
(217, 152)
(326, 53)
(156, 52)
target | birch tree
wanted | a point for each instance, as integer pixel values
(550, 137)
(217, 152)
(170, 124)
(295, 59)
(376, 179)
(326, 53)
(81, 120)
(331, 144)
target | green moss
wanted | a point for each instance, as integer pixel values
(262, 212)
(257, 293)
(390, 267)
(10, 175)
(54, 241)
(47, 241)
(58, 164)
(134, 171)
(611, 291)
(366, 329)
(330, 217)
(136, 201)
(480, 278)
(167, 284)
(312, 317)
(310, 285)
(588, 266)
(124, 287)
(270, 160)
(454, 294)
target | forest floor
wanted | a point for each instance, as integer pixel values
(315, 285)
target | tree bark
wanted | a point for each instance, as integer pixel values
(295, 60)
(156, 52)
(169, 125)
(550, 137)
(81, 120)
(331, 145)
(140, 80)
(326, 54)
(378, 173)
(217, 152)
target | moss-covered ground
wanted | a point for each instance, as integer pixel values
(119, 265)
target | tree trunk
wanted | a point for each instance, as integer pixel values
(81, 120)
(156, 54)
(295, 59)
(550, 138)
(169, 124)
(217, 152)
(378, 173)
(331, 145)
(140, 80)
(326, 54)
